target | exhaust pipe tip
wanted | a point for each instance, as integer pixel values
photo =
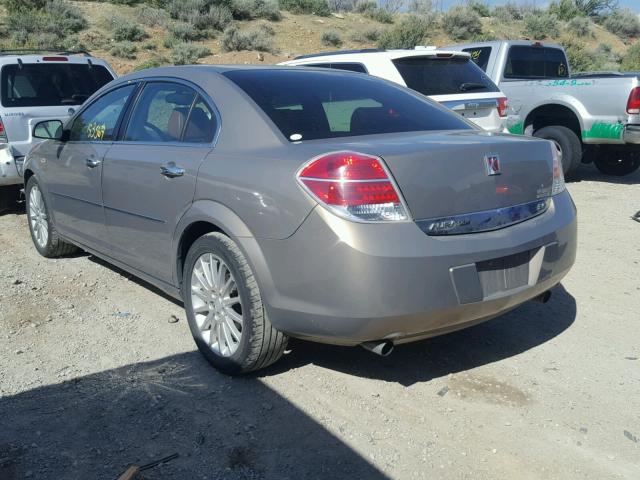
(382, 347)
(543, 297)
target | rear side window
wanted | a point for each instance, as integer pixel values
(50, 84)
(536, 62)
(307, 105)
(480, 56)
(443, 76)
(350, 67)
(202, 123)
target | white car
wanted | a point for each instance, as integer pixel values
(36, 86)
(448, 77)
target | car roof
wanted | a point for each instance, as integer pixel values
(359, 55)
(48, 56)
(498, 43)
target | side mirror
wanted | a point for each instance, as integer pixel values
(48, 130)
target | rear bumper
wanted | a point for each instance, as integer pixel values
(10, 168)
(345, 283)
(631, 134)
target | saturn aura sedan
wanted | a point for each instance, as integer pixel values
(281, 202)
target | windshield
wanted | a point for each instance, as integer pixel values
(308, 104)
(443, 76)
(53, 84)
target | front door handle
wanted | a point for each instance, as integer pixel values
(92, 162)
(171, 170)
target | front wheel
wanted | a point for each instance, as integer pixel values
(43, 233)
(616, 163)
(224, 308)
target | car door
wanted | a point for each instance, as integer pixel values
(149, 177)
(74, 172)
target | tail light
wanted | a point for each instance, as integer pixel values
(633, 105)
(557, 186)
(503, 104)
(3, 133)
(354, 186)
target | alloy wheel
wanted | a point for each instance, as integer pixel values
(38, 217)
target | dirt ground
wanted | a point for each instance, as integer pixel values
(94, 375)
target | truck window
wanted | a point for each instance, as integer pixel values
(351, 67)
(53, 84)
(443, 76)
(536, 62)
(480, 56)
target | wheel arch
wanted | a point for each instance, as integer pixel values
(554, 114)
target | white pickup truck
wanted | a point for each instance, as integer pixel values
(589, 117)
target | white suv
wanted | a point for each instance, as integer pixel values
(37, 86)
(448, 77)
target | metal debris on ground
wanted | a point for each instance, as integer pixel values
(443, 391)
(636, 217)
(173, 319)
(631, 436)
(132, 471)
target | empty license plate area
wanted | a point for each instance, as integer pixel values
(504, 273)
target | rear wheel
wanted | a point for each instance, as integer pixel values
(43, 233)
(617, 162)
(224, 308)
(567, 144)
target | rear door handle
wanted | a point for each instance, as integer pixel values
(92, 162)
(171, 170)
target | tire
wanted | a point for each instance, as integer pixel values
(40, 224)
(617, 163)
(569, 144)
(259, 344)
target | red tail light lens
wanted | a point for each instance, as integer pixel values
(3, 133)
(354, 186)
(633, 105)
(503, 104)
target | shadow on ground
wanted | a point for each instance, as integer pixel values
(588, 172)
(94, 426)
(524, 328)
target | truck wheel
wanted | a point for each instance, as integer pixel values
(617, 163)
(568, 144)
(224, 308)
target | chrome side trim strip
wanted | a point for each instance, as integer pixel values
(484, 221)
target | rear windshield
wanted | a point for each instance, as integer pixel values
(307, 104)
(443, 76)
(536, 62)
(480, 56)
(53, 84)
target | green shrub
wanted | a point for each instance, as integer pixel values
(461, 23)
(380, 15)
(541, 25)
(150, 46)
(203, 15)
(508, 12)
(151, 16)
(236, 40)
(251, 9)
(366, 36)
(331, 38)
(366, 6)
(623, 23)
(580, 59)
(631, 60)
(128, 31)
(21, 5)
(57, 20)
(184, 32)
(153, 62)
(581, 27)
(411, 31)
(124, 49)
(188, 53)
(316, 7)
(481, 8)
(565, 9)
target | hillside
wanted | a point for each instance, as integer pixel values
(131, 37)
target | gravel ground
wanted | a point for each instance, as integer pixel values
(96, 374)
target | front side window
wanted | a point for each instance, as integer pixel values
(99, 120)
(480, 56)
(161, 113)
(443, 76)
(307, 104)
(536, 62)
(50, 84)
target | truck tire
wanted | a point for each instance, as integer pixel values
(235, 335)
(567, 142)
(617, 163)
